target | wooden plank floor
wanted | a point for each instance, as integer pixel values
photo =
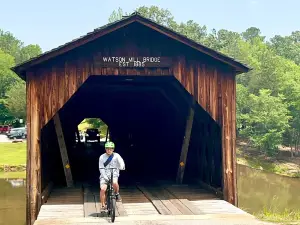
(63, 203)
(140, 203)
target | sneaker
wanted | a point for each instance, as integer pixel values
(118, 197)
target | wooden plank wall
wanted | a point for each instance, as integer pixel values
(51, 85)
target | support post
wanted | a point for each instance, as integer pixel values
(63, 150)
(33, 169)
(185, 144)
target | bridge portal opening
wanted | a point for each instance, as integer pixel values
(146, 117)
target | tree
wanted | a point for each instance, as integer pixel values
(5, 115)
(16, 101)
(242, 106)
(267, 121)
(116, 15)
(191, 30)
(161, 16)
(288, 47)
(7, 77)
(29, 52)
(291, 89)
(251, 33)
(9, 44)
(12, 92)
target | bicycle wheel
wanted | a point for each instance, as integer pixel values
(113, 209)
(108, 204)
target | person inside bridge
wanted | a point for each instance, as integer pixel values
(107, 160)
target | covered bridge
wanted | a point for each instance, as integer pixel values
(169, 102)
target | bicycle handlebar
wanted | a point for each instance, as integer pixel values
(111, 168)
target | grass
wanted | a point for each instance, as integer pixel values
(286, 217)
(12, 175)
(13, 153)
(264, 165)
(260, 161)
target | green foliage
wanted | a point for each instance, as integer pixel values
(288, 46)
(16, 101)
(161, 16)
(252, 33)
(12, 88)
(266, 120)
(242, 106)
(95, 122)
(273, 215)
(5, 115)
(7, 77)
(116, 15)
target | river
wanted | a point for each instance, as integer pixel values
(256, 190)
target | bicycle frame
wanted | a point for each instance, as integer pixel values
(110, 188)
(110, 197)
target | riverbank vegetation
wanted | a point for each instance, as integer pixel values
(13, 175)
(287, 217)
(281, 163)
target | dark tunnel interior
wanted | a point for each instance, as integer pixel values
(146, 117)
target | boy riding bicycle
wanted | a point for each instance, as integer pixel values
(107, 160)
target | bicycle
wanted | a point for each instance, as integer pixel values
(110, 197)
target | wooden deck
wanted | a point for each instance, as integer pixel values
(142, 204)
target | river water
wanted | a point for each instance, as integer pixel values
(12, 202)
(256, 190)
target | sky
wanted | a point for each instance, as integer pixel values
(53, 23)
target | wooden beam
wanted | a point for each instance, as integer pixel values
(186, 142)
(33, 177)
(46, 192)
(63, 150)
(207, 187)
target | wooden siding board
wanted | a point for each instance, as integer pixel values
(233, 133)
(28, 162)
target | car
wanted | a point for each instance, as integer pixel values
(92, 134)
(4, 129)
(17, 133)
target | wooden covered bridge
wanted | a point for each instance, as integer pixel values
(170, 106)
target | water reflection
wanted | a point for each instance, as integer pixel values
(258, 189)
(12, 201)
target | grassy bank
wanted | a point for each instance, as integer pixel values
(13, 157)
(12, 153)
(287, 217)
(13, 175)
(282, 165)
